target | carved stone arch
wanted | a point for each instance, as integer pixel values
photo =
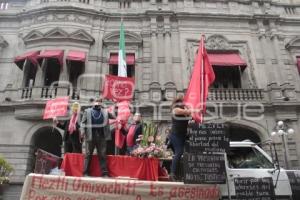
(293, 43)
(3, 42)
(30, 132)
(169, 85)
(259, 129)
(217, 42)
(46, 138)
(131, 38)
(155, 85)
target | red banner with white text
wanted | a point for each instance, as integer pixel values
(56, 108)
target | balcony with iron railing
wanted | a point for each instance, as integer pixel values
(48, 92)
(215, 95)
(240, 95)
(29, 102)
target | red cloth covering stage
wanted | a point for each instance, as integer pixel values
(140, 168)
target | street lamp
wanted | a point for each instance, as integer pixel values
(281, 129)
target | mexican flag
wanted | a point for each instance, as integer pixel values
(122, 68)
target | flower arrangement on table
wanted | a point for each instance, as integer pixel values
(150, 143)
(5, 171)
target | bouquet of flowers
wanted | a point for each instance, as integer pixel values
(5, 171)
(150, 143)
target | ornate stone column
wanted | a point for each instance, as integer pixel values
(155, 70)
(269, 71)
(39, 77)
(168, 50)
(64, 74)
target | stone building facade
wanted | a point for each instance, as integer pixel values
(162, 37)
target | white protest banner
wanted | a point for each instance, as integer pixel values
(50, 187)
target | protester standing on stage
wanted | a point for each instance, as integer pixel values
(96, 131)
(180, 117)
(71, 138)
(135, 129)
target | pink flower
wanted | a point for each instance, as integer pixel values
(158, 138)
(150, 139)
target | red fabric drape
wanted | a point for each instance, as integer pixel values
(130, 136)
(226, 59)
(202, 76)
(130, 59)
(31, 56)
(122, 118)
(58, 54)
(140, 168)
(76, 56)
(298, 64)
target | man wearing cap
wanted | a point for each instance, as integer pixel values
(71, 138)
(96, 131)
(134, 130)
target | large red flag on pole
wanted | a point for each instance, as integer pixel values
(202, 77)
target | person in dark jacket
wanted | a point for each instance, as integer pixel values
(95, 130)
(71, 138)
(180, 118)
(135, 129)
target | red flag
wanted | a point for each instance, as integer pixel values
(122, 118)
(202, 77)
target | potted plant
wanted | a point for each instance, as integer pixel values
(5, 171)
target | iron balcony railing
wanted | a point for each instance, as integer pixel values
(48, 92)
(214, 95)
(236, 95)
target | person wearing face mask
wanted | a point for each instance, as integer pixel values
(71, 138)
(96, 132)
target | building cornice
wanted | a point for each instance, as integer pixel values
(145, 13)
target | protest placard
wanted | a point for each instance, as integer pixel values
(250, 188)
(204, 168)
(57, 107)
(118, 88)
(210, 137)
